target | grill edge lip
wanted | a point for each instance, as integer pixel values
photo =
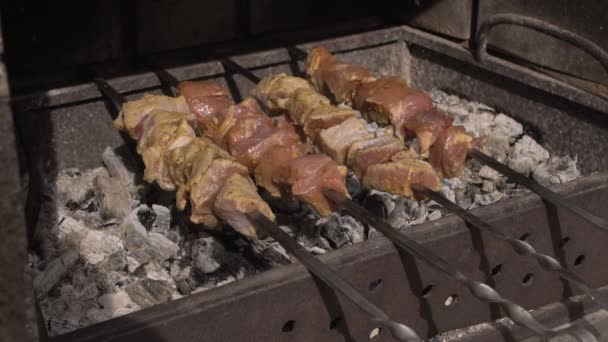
(134, 84)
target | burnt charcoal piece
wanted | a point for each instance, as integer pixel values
(342, 230)
(148, 292)
(380, 204)
(112, 196)
(146, 217)
(211, 259)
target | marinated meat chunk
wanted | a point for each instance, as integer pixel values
(273, 161)
(427, 126)
(237, 198)
(205, 186)
(274, 92)
(336, 140)
(311, 174)
(247, 107)
(402, 177)
(302, 102)
(248, 131)
(363, 154)
(449, 152)
(284, 135)
(135, 112)
(180, 162)
(209, 101)
(325, 116)
(339, 79)
(160, 139)
(389, 100)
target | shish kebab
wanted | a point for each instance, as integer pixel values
(305, 105)
(389, 173)
(277, 93)
(175, 158)
(412, 113)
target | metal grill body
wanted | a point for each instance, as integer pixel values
(76, 129)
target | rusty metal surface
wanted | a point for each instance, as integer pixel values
(257, 309)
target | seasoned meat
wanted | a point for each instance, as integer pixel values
(336, 140)
(159, 139)
(248, 131)
(247, 107)
(302, 102)
(275, 158)
(135, 112)
(340, 79)
(283, 135)
(274, 92)
(205, 186)
(311, 174)
(427, 126)
(208, 101)
(237, 198)
(325, 116)
(389, 100)
(401, 177)
(364, 153)
(449, 152)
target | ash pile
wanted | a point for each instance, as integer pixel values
(109, 245)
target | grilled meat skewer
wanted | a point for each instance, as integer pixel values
(217, 186)
(381, 162)
(390, 101)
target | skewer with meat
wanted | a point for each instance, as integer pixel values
(271, 150)
(390, 101)
(380, 161)
(217, 186)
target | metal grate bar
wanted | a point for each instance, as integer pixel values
(238, 69)
(540, 190)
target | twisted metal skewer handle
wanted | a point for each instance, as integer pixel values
(481, 291)
(522, 248)
(400, 331)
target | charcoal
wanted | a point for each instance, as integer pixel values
(353, 185)
(489, 173)
(144, 246)
(119, 166)
(115, 262)
(434, 215)
(116, 304)
(497, 146)
(53, 272)
(148, 292)
(146, 216)
(269, 253)
(490, 198)
(70, 233)
(185, 281)
(162, 220)
(379, 203)
(206, 255)
(556, 170)
(112, 196)
(488, 186)
(75, 187)
(342, 230)
(507, 126)
(99, 245)
(526, 155)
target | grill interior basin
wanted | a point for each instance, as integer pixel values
(71, 127)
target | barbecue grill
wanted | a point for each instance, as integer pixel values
(392, 277)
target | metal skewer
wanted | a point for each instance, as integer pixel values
(547, 262)
(400, 331)
(480, 290)
(518, 178)
(540, 190)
